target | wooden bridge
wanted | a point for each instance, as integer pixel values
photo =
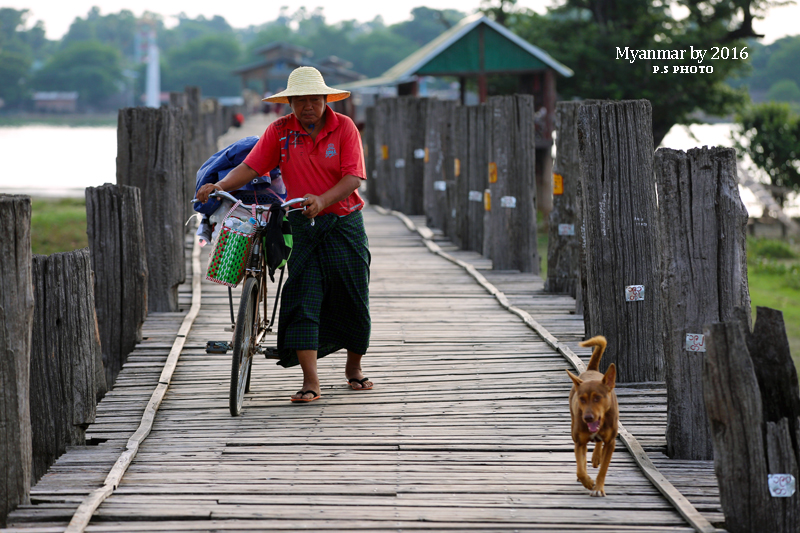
(467, 428)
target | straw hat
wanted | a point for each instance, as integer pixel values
(304, 81)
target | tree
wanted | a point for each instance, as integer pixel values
(589, 35)
(19, 48)
(205, 62)
(115, 29)
(91, 68)
(768, 133)
(784, 91)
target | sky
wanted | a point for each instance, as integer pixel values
(59, 14)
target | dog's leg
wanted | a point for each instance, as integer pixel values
(599, 487)
(597, 454)
(580, 458)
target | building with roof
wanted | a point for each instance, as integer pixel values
(280, 59)
(476, 48)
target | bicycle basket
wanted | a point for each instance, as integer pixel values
(228, 259)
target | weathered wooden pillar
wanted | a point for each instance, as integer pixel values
(564, 240)
(620, 223)
(412, 115)
(181, 100)
(150, 156)
(67, 376)
(474, 169)
(384, 165)
(703, 249)
(512, 184)
(116, 240)
(751, 397)
(439, 160)
(370, 154)
(16, 326)
(397, 142)
(458, 194)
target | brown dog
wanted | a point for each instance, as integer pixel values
(594, 411)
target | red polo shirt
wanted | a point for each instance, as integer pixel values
(308, 166)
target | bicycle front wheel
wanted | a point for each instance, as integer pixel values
(243, 344)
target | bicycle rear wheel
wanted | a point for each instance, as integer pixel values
(243, 344)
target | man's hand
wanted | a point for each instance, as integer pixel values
(313, 205)
(205, 190)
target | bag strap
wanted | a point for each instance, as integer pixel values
(237, 204)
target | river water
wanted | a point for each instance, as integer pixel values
(62, 160)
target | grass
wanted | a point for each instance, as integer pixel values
(58, 225)
(773, 273)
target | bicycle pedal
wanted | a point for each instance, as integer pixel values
(217, 347)
(271, 352)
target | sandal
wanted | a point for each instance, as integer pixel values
(303, 393)
(353, 381)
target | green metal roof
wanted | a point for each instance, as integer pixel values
(456, 52)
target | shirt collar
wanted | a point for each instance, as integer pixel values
(331, 122)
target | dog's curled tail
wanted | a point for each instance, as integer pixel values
(599, 343)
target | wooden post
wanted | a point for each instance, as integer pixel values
(512, 184)
(150, 156)
(564, 237)
(754, 434)
(620, 224)
(413, 112)
(371, 152)
(458, 195)
(117, 244)
(181, 100)
(476, 176)
(438, 162)
(384, 156)
(397, 141)
(67, 375)
(16, 317)
(702, 230)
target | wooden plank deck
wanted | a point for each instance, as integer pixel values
(467, 428)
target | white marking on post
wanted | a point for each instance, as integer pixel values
(439, 185)
(566, 229)
(399, 163)
(508, 201)
(475, 196)
(781, 485)
(419, 153)
(695, 342)
(634, 293)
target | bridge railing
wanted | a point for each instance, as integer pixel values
(59, 355)
(651, 243)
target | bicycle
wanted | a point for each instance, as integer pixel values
(250, 326)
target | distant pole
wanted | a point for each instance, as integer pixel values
(153, 73)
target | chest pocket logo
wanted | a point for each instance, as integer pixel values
(331, 151)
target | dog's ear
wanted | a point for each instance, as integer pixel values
(610, 377)
(575, 379)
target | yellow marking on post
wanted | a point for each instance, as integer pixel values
(385, 152)
(492, 173)
(457, 167)
(558, 184)
(487, 200)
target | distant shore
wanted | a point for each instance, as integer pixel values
(52, 119)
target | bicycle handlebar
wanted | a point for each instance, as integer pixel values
(229, 196)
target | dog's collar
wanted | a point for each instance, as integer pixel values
(595, 437)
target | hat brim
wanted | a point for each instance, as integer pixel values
(283, 97)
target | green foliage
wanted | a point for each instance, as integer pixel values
(58, 225)
(91, 68)
(19, 49)
(758, 249)
(784, 91)
(768, 133)
(117, 30)
(585, 34)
